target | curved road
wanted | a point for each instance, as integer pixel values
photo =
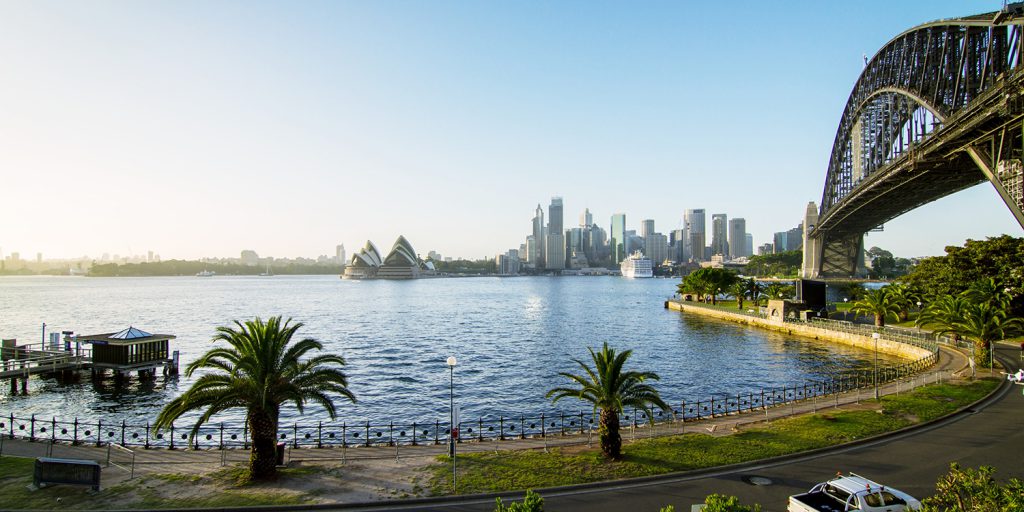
(991, 434)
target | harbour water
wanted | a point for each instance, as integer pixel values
(512, 336)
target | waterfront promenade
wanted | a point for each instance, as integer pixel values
(380, 472)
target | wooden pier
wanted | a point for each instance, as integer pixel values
(130, 350)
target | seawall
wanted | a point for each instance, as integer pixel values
(885, 346)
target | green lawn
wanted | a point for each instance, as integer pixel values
(506, 471)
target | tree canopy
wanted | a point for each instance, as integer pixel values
(708, 281)
(783, 264)
(1000, 258)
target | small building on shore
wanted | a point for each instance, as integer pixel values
(131, 350)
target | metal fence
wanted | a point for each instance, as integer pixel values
(319, 434)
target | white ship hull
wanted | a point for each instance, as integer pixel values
(637, 267)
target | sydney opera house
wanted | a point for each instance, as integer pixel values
(400, 263)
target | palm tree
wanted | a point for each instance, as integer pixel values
(942, 313)
(989, 291)
(777, 290)
(696, 284)
(259, 371)
(984, 324)
(611, 389)
(738, 290)
(904, 297)
(878, 303)
(754, 290)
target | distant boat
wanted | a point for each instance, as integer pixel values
(637, 266)
(268, 273)
(206, 273)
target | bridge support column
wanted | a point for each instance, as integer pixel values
(841, 256)
(812, 245)
(1007, 176)
(14, 386)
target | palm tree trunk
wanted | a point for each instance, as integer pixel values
(879, 320)
(740, 300)
(263, 456)
(611, 441)
(981, 353)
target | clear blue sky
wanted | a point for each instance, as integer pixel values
(204, 128)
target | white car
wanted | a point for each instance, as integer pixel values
(852, 492)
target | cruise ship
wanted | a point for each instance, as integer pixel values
(637, 265)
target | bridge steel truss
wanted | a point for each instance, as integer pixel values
(939, 109)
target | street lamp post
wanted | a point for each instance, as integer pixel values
(875, 335)
(846, 311)
(918, 317)
(452, 431)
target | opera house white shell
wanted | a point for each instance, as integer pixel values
(400, 263)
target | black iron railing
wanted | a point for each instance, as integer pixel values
(307, 434)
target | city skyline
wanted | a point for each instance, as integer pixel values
(199, 130)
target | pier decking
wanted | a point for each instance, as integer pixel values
(121, 352)
(23, 360)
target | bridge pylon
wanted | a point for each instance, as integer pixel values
(830, 255)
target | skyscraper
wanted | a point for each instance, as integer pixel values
(619, 244)
(339, 254)
(537, 258)
(795, 238)
(554, 252)
(779, 242)
(719, 234)
(677, 244)
(575, 240)
(586, 219)
(594, 243)
(555, 216)
(737, 237)
(693, 221)
(646, 227)
(750, 245)
(656, 248)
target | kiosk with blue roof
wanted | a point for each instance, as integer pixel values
(131, 350)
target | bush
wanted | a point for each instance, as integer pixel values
(723, 503)
(970, 490)
(532, 502)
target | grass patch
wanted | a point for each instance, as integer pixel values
(151, 499)
(517, 470)
(233, 489)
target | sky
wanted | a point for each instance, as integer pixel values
(199, 129)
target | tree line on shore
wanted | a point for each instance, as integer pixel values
(191, 268)
(973, 292)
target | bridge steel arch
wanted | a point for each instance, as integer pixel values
(938, 109)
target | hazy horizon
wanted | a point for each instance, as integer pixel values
(196, 129)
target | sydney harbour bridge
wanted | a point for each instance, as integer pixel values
(938, 109)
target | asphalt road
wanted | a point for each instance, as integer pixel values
(990, 434)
